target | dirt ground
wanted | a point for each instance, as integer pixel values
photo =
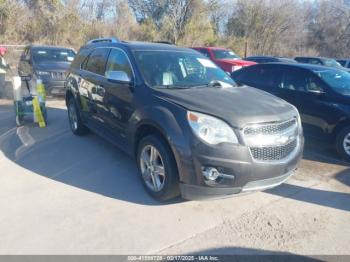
(61, 194)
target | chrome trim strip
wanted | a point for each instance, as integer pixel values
(261, 188)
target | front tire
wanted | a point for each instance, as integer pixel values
(75, 123)
(343, 143)
(157, 168)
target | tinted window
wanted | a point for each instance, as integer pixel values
(342, 62)
(225, 54)
(204, 52)
(259, 76)
(314, 84)
(294, 80)
(306, 60)
(118, 61)
(80, 58)
(96, 62)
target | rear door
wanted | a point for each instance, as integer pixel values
(93, 82)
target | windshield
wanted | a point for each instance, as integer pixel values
(338, 80)
(53, 55)
(331, 63)
(225, 54)
(173, 69)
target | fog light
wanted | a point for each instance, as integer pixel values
(211, 173)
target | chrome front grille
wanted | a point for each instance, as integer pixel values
(274, 141)
(269, 129)
(273, 153)
(58, 75)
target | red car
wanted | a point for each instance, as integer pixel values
(224, 58)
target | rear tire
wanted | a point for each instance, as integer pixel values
(343, 143)
(157, 168)
(75, 123)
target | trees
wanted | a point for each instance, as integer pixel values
(268, 26)
(271, 27)
(4, 15)
(329, 28)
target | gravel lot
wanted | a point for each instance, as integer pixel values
(61, 194)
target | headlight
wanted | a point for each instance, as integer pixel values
(300, 124)
(210, 129)
(42, 73)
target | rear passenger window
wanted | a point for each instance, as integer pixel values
(260, 76)
(80, 58)
(96, 62)
(118, 61)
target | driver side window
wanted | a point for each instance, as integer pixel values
(118, 61)
(314, 84)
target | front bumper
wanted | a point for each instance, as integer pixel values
(240, 172)
(54, 87)
(193, 192)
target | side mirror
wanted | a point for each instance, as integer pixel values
(118, 76)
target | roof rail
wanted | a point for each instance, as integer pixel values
(99, 40)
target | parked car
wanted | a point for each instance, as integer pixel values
(321, 94)
(344, 62)
(189, 128)
(226, 59)
(269, 59)
(329, 62)
(49, 63)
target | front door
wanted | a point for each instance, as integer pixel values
(309, 95)
(118, 98)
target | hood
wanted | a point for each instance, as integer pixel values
(52, 66)
(237, 62)
(238, 106)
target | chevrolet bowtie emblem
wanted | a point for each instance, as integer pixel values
(282, 140)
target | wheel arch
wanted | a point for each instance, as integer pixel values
(340, 126)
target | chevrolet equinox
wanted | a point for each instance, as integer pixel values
(191, 130)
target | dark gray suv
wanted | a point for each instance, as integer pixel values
(48, 63)
(191, 129)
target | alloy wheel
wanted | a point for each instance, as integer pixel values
(346, 144)
(152, 168)
(73, 118)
